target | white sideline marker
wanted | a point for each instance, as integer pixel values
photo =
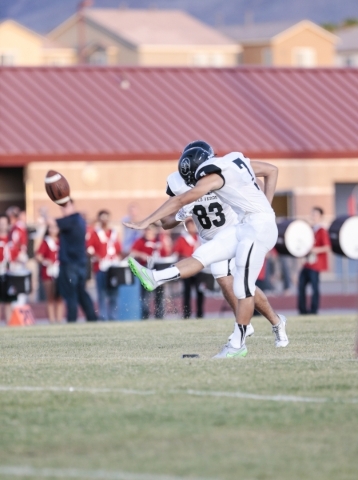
(197, 393)
(84, 474)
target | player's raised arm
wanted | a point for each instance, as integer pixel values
(204, 185)
(270, 173)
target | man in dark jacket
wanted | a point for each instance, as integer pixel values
(73, 261)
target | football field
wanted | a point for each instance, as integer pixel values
(117, 401)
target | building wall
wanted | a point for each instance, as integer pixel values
(189, 56)
(347, 59)
(25, 47)
(97, 185)
(114, 185)
(221, 56)
(59, 56)
(283, 53)
(117, 53)
(253, 54)
(312, 182)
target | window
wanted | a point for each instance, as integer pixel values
(98, 57)
(266, 56)
(201, 59)
(217, 60)
(283, 204)
(7, 58)
(304, 57)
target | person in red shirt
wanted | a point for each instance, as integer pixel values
(8, 252)
(151, 247)
(18, 236)
(317, 261)
(184, 247)
(104, 247)
(47, 256)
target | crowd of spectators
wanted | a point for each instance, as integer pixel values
(68, 255)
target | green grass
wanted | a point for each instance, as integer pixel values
(168, 431)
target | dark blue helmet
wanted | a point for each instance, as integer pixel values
(189, 162)
(201, 144)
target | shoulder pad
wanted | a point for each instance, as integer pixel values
(176, 184)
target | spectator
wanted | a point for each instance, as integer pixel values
(104, 247)
(130, 235)
(72, 275)
(317, 261)
(18, 237)
(184, 247)
(149, 247)
(8, 252)
(48, 257)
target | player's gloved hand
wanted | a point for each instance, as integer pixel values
(184, 213)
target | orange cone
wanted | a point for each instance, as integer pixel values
(21, 317)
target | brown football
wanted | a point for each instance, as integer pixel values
(57, 188)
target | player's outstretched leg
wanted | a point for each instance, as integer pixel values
(152, 279)
(144, 274)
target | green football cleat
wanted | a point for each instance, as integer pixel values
(144, 274)
(229, 351)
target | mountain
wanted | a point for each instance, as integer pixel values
(44, 15)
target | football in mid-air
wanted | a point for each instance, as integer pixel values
(57, 188)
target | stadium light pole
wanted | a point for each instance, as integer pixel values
(81, 31)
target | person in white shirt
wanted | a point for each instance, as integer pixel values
(233, 179)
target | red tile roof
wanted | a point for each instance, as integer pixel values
(107, 113)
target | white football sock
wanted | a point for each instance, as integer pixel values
(166, 275)
(239, 335)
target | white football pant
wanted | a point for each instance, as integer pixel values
(248, 242)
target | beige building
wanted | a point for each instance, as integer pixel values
(347, 48)
(21, 46)
(302, 44)
(145, 37)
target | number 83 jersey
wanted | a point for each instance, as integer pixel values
(210, 214)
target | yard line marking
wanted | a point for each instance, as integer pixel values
(273, 398)
(198, 393)
(87, 474)
(125, 391)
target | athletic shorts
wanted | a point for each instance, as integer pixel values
(248, 242)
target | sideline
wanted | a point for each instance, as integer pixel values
(198, 393)
(85, 474)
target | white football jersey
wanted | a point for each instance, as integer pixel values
(210, 214)
(240, 189)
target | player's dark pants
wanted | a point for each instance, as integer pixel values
(188, 284)
(308, 276)
(72, 288)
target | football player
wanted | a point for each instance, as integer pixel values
(233, 179)
(211, 216)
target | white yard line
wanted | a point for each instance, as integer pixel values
(32, 472)
(253, 396)
(124, 391)
(197, 393)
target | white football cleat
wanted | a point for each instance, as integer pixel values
(250, 330)
(281, 339)
(228, 351)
